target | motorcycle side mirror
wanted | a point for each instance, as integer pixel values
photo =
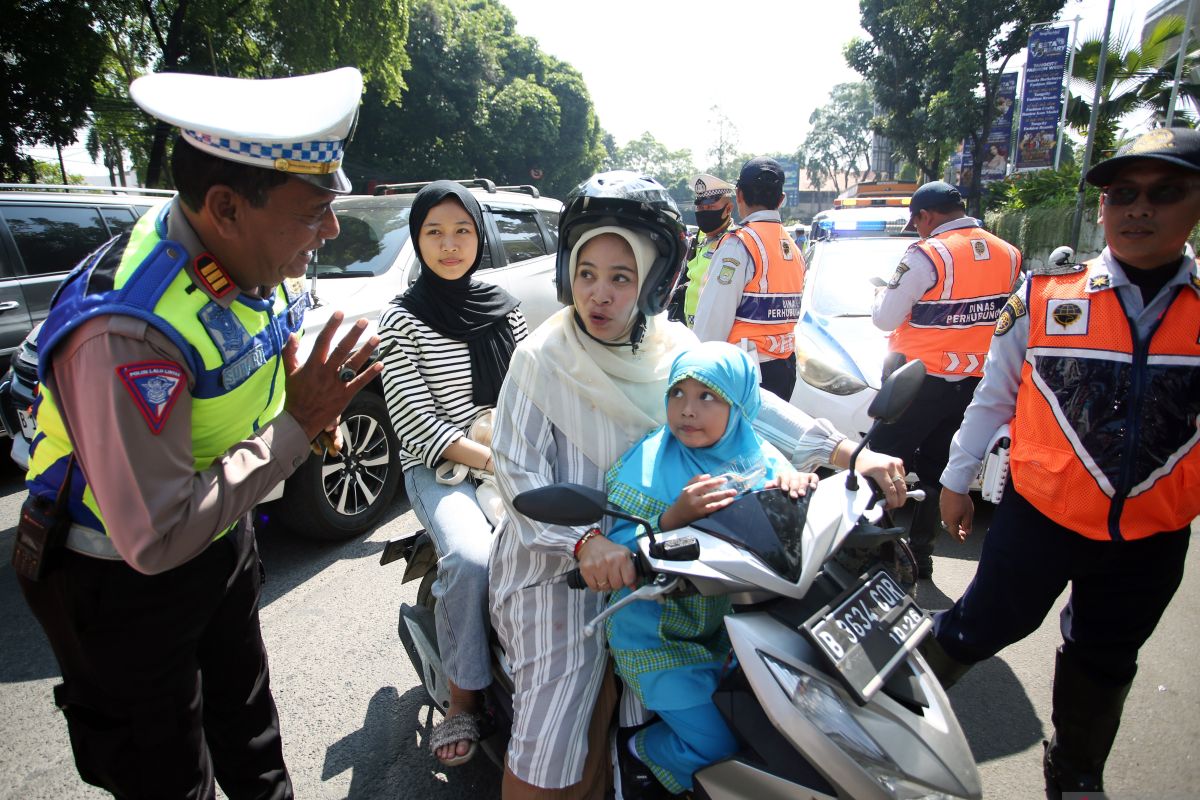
(562, 504)
(897, 392)
(895, 396)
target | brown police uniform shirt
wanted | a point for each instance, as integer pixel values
(158, 510)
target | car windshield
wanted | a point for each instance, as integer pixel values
(372, 235)
(843, 270)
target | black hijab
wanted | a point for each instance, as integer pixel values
(465, 310)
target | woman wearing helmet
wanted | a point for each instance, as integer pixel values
(584, 387)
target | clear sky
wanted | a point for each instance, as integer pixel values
(661, 65)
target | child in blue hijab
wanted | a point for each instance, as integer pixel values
(671, 654)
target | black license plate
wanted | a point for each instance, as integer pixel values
(868, 632)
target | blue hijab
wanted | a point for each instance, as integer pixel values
(648, 478)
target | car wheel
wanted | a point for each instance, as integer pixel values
(338, 497)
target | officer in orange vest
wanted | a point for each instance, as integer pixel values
(751, 292)
(1098, 368)
(941, 307)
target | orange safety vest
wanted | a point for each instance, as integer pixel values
(770, 305)
(950, 327)
(1105, 437)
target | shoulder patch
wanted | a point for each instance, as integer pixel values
(901, 268)
(785, 244)
(154, 387)
(1013, 310)
(979, 247)
(726, 273)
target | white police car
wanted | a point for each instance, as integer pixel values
(839, 351)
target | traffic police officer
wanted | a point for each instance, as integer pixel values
(941, 307)
(751, 295)
(1098, 368)
(171, 401)
(714, 216)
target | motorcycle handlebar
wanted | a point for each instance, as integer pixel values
(575, 577)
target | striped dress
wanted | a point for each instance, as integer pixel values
(427, 385)
(556, 668)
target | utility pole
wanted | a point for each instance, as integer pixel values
(1077, 221)
(1179, 59)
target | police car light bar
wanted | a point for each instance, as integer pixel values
(847, 229)
(866, 202)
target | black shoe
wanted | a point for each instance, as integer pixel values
(636, 781)
(924, 566)
(1060, 779)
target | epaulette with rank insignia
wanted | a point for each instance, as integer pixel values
(1057, 269)
(212, 276)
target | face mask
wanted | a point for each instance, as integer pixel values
(709, 221)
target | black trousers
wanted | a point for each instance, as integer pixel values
(1119, 591)
(165, 683)
(921, 437)
(779, 376)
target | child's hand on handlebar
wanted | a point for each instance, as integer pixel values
(796, 484)
(703, 495)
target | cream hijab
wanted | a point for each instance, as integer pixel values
(604, 399)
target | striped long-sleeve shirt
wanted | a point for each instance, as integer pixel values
(427, 385)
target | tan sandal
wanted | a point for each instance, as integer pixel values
(459, 728)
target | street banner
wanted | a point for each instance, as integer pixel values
(996, 146)
(1041, 107)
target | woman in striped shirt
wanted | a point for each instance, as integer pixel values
(582, 389)
(454, 338)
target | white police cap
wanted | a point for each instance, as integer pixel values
(295, 125)
(705, 185)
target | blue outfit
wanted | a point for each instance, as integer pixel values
(672, 653)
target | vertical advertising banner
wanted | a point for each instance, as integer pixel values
(1041, 107)
(999, 137)
(996, 145)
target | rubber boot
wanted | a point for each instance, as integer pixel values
(1086, 715)
(946, 668)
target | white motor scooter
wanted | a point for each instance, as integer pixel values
(828, 697)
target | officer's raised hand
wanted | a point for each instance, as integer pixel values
(316, 394)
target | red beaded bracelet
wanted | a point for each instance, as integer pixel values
(587, 536)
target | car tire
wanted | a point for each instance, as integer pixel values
(341, 497)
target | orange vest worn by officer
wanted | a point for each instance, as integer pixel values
(770, 304)
(1105, 437)
(951, 326)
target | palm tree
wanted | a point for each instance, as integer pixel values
(1137, 77)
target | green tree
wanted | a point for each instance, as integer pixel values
(49, 52)
(935, 68)
(727, 160)
(250, 38)
(481, 100)
(672, 168)
(1137, 77)
(838, 146)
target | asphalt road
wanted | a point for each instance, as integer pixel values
(354, 721)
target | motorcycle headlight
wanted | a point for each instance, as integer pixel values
(818, 370)
(822, 706)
